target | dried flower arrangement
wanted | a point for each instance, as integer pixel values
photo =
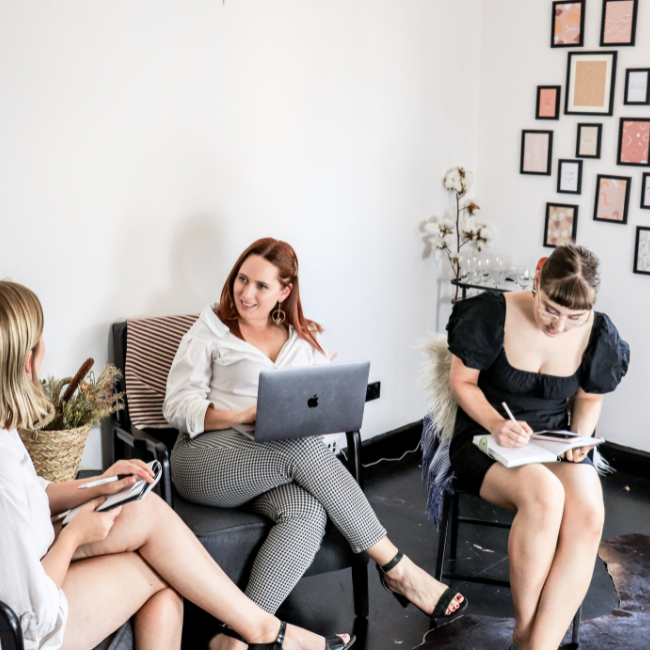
(439, 232)
(86, 401)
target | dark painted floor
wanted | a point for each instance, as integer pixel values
(324, 603)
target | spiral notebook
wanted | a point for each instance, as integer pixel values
(137, 491)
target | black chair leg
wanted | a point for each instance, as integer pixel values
(360, 586)
(454, 526)
(577, 619)
(442, 541)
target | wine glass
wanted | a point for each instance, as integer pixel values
(483, 276)
(523, 277)
(467, 268)
(498, 271)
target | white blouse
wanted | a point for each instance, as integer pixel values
(26, 534)
(213, 366)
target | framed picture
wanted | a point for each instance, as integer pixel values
(590, 81)
(568, 24)
(645, 191)
(561, 224)
(548, 103)
(589, 138)
(642, 250)
(619, 22)
(536, 152)
(612, 198)
(634, 141)
(569, 177)
(637, 86)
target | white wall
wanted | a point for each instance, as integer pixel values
(513, 63)
(144, 144)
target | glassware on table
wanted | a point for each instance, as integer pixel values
(483, 274)
(523, 277)
(468, 270)
(498, 271)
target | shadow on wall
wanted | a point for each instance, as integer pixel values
(197, 264)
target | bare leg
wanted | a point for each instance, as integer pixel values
(573, 564)
(174, 554)
(538, 497)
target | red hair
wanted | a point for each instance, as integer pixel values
(284, 258)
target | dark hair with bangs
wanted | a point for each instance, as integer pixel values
(570, 277)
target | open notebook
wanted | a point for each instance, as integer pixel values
(138, 490)
(543, 447)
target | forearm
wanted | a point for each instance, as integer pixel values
(585, 415)
(64, 496)
(216, 420)
(473, 401)
(57, 560)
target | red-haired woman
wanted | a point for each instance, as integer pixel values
(259, 325)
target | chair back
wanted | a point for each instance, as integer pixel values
(11, 634)
(144, 350)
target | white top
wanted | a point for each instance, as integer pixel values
(26, 534)
(213, 366)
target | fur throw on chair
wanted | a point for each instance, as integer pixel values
(438, 424)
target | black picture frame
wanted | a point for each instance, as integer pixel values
(613, 54)
(637, 241)
(523, 151)
(558, 92)
(644, 180)
(582, 125)
(646, 101)
(628, 191)
(559, 176)
(574, 229)
(602, 25)
(582, 24)
(619, 151)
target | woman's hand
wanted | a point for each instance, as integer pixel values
(89, 526)
(246, 417)
(509, 434)
(138, 468)
(577, 455)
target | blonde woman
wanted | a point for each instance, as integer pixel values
(73, 587)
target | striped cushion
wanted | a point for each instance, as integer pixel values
(151, 345)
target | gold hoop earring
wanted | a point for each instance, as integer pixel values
(534, 292)
(278, 316)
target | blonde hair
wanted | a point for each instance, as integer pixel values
(22, 400)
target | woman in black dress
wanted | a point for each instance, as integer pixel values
(534, 351)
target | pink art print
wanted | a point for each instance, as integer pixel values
(643, 252)
(536, 152)
(611, 199)
(567, 23)
(618, 22)
(635, 142)
(560, 225)
(547, 102)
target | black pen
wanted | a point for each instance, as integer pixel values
(104, 481)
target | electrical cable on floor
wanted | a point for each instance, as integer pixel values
(390, 460)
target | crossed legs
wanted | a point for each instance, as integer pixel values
(147, 560)
(553, 544)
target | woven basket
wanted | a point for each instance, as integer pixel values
(56, 454)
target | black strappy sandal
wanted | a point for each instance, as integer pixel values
(228, 631)
(439, 613)
(331, 642)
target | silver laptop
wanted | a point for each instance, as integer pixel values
(312, 401)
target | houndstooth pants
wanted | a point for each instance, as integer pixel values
(297, 483)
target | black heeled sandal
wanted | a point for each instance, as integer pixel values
(439, 613)
(228, 631)
(331, 642)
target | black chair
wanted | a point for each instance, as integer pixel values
(232, 536)
(450, 520)
(11, 634)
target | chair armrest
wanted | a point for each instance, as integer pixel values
(11, 634)
(355, 466)
(142, 441)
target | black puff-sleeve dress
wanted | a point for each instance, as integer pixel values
(475, 335)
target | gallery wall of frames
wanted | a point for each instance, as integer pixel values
(589, 92)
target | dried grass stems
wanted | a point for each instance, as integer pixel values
(86, 400)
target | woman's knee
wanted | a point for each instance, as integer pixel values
(308, 511)
(542, 495)
(584, 517)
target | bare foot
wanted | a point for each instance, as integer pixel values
(223, 642)
(418, 586)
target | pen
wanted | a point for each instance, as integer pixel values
(104, 481)
(509, 412)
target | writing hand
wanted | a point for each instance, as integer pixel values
(510, 434)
